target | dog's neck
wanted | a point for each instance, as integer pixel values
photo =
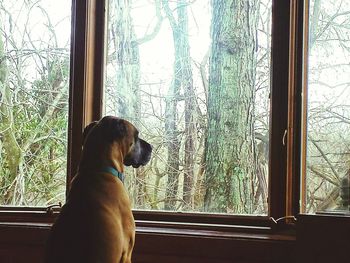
(115, 155)
(113, 171)
(96, 157)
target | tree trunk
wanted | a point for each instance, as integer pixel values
(230, 141)
(182, 79)
(127, 90)
(127, 55)
(190, 106)
(314, 21)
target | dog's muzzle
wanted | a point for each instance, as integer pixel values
(140, 154)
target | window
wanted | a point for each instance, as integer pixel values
(326, 167)
(109, 60)
(35, 59)
(195, 79)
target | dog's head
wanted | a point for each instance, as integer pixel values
(119, 133)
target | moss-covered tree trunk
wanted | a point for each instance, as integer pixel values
(127, 55)
(171, 118)
(182, 82)
(190, 106)
(230, 141)
(127, 85)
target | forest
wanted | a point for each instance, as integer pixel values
(194, 77)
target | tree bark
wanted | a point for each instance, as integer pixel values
(126, 52)
(171, 120)
(190, 106)
(127, 89)
(183, 80)
(230, 141)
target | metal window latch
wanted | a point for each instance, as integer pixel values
(50, 208)
(286, 219)
(284, 137)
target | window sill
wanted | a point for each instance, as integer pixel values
(175, 242)
(167, 230)
(165, 222)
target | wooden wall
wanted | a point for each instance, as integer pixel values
(323, 238)
(25, 243)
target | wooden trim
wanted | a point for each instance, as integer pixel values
(202, 218)
(86, 78)
(279, 111)
(156, 221)
(298, 141)
(323, 238)
(304, 85)
(95, 55)
(162, 245)
(291, 143)
(33, 216)
(162, 230)
(226, 223)
(179, 228)
(77, 86)
(295, 107)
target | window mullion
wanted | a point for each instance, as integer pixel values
(296, 77)
(86, 73)
(77, 86)
(279, 109)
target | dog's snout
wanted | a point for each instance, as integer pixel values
(139, 155)
(146, 151)
(146, 146)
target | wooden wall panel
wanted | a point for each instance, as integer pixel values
(25, 244)
(323, 238)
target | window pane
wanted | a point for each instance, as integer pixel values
(328, 103)
(34, 71)
(193, 76)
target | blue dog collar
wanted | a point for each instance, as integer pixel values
(115, 172)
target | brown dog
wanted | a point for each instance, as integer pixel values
(96, 223)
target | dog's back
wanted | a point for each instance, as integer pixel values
(95, 225)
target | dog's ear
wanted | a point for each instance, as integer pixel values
(117, 129)
(87, 129)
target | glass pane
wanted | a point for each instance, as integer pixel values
(193, 76)
(34, 72)
(328, 102)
